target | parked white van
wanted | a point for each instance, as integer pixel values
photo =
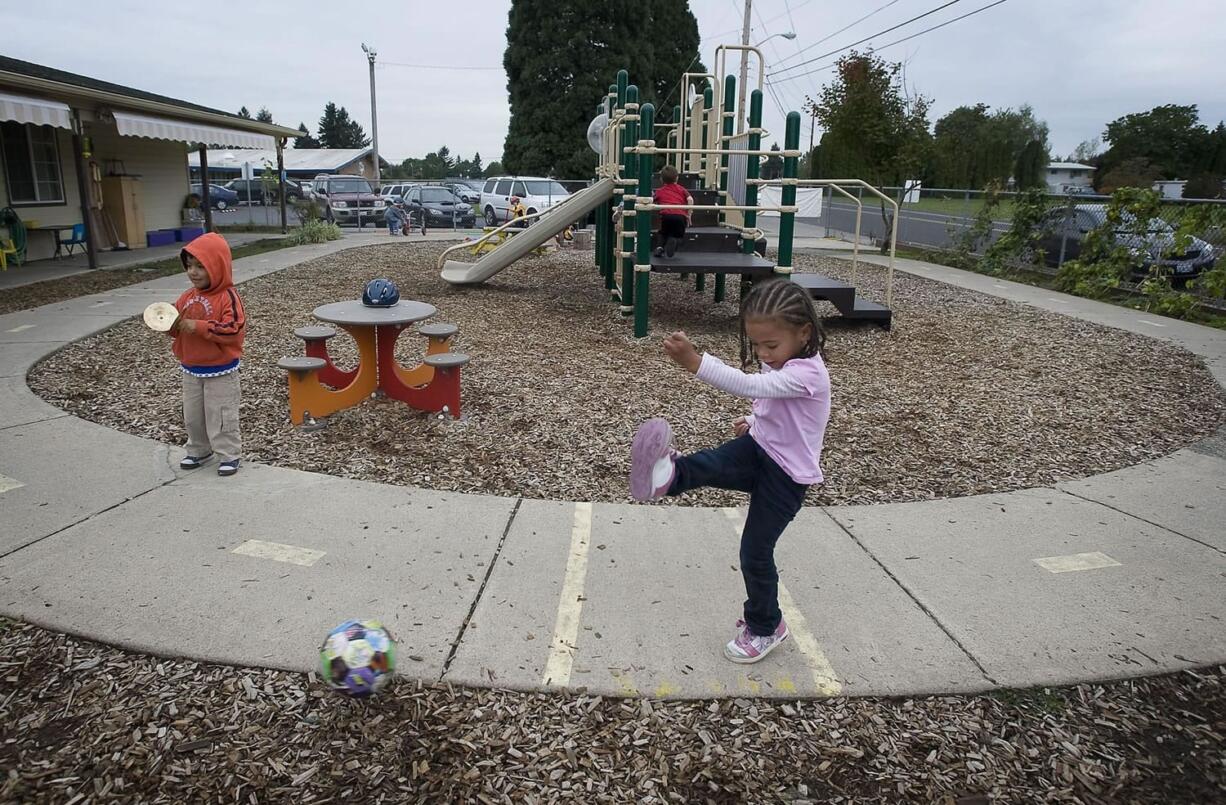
(537, 194)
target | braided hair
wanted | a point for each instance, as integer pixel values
(787, 302)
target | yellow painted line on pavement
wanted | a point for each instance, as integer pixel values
(7, 483)
(279, 552)
(1076, 561)
(22, 327)
(824, 679)
(570, 603)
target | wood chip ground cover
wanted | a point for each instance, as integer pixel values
(967, 394)
(80, 722)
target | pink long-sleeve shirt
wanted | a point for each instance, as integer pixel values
(791, 407)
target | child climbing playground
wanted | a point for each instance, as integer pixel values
(672, 221)
(775, 455)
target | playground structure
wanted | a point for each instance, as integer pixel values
(720, 169)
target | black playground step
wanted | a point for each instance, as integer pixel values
(683, 262)
(711, 239)
(844, 298)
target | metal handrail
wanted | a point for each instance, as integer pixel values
(889, 281)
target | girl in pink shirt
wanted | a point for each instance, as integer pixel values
(775, 454)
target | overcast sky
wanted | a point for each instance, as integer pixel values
(1080, 64)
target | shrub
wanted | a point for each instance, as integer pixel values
(315, 231)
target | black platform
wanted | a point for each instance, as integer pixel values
(844, 298)
(683, 262)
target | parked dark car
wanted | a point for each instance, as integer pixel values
(440, 206)
(348, 200)
(1155, 246)
(253, 191)
(220, 197)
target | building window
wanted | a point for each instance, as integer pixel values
(31, 163)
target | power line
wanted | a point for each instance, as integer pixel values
(800, 50)
(433, 66)
(896, 41)
(867, 38)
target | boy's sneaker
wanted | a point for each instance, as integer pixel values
(651, 460)
(659, 252)
(193, 462)
(670, 247)
(227, 467)
(748, 647)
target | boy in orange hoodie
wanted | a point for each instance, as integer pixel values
(209, 345)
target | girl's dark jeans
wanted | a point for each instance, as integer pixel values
(774, 499)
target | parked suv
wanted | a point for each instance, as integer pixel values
(537, 194)
(348, 199)
(397, 189)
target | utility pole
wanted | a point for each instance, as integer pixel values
(740, 106)
(374, 121)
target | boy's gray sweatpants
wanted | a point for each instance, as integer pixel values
(210, 412)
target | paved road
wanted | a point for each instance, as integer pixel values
(915, 227)
(102, 535)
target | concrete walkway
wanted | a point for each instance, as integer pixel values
(101, 535)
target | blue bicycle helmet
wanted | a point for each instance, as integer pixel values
(380, 293)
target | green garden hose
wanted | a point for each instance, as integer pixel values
(17, 232)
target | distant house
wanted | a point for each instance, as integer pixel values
(1063, 175)
(77, 150)
(307, 163)
(1170, 188)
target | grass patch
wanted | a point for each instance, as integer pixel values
(24, 297)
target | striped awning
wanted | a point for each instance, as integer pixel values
(35, 110)
(161, 128)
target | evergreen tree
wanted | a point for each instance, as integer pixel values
(337, 130)
(1028, 170)
(244, 113)
(305, 140)
(475, 170)
(772, 166)
(561, 57)
(494, 169)
(264, 116)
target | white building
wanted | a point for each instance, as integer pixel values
(78, 151)
(1170, 188)
(1063, 175)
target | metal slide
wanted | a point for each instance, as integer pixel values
(551, 222)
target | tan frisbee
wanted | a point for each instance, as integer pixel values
(161, 316)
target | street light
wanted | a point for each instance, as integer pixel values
(740, 121)
(374, 123)
(785, 35)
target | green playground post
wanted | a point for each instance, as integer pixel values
(642, 224)
(787, 220)
(609, 262)
(708, 98)
(629, 166)
(724, 143)
(753, 169)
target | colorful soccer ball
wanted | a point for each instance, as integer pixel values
(358, 657)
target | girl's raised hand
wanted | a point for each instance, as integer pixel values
(682, 351)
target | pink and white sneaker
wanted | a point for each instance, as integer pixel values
(748, 647)
(651, 460)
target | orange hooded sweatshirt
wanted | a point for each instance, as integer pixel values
(217, 343)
